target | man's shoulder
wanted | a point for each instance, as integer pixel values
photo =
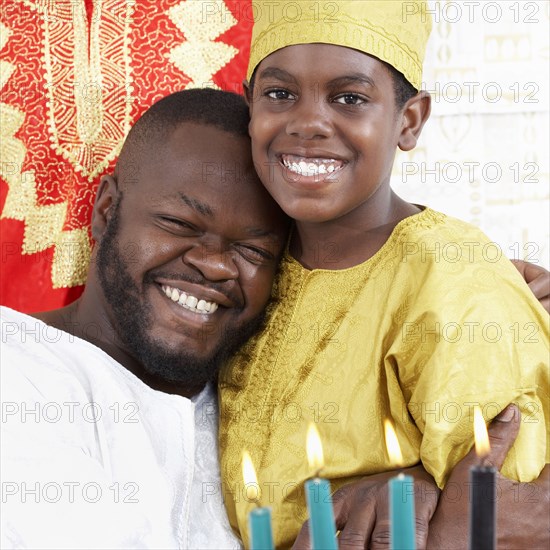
(28, 336)
(41, 360)
(16, 326)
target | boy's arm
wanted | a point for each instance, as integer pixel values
(538, 280)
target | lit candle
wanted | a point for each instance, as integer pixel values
(259, 519)
(401, 489)
(483, 491)
(319, 500)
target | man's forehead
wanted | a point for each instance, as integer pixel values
(200, 153)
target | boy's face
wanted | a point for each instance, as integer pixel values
(324, 129)
(190, 259)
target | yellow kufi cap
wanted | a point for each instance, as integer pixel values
(394, 31)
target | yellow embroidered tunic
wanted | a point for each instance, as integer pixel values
(434, 323)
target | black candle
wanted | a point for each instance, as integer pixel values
(482, 492)
(482, 508)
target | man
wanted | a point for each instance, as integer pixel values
(109, 422)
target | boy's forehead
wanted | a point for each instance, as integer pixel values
(343, 64)
(394, 31)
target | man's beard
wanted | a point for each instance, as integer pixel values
(133, 318)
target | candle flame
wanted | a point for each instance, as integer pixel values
(252, 489)
(480, 434)
(314, 448)
(394, 451)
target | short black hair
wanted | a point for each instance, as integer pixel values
(224, 110)
(402, 88)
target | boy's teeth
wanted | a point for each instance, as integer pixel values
(189, 302)
(311, 167)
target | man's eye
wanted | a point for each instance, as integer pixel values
(350, 99)
(254, 254)
(279, 94)
(175, 222)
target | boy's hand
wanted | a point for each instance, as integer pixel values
(361, 510)
(522, 508)
(538, 280)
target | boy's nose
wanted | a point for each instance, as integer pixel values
(309, 120)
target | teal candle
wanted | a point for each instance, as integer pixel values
(402, 518)
(259, 523)
(321, 516)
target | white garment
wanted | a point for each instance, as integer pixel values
(94, 458)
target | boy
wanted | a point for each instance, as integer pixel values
(372, 326)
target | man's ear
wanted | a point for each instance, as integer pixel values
(106, 197)
(247, 93)
(415, 114)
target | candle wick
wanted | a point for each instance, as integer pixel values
(483, 461)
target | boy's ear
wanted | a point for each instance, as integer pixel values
(415, 114)
(106, 197)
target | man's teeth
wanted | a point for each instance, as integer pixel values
(189, 302)
(312, 167)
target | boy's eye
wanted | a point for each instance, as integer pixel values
(279, 94)
(350, 99)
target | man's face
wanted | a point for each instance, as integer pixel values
(324, 129)
(188, 257)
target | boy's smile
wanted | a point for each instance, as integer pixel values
(324, 130)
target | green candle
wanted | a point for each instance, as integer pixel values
(321, 515)
(259, 524)
(319, 501)
(402, 527)
(259, 519)
(401, 493)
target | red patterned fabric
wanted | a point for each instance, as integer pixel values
(73, 79)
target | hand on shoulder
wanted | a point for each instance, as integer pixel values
(538, 280)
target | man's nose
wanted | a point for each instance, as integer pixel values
(213, 261)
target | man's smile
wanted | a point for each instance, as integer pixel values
(188, 301)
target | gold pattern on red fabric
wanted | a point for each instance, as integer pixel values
(88, 121)
(74, 75)
(200, 57)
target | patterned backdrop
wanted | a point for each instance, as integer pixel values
(75, 74)
(483, 156)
